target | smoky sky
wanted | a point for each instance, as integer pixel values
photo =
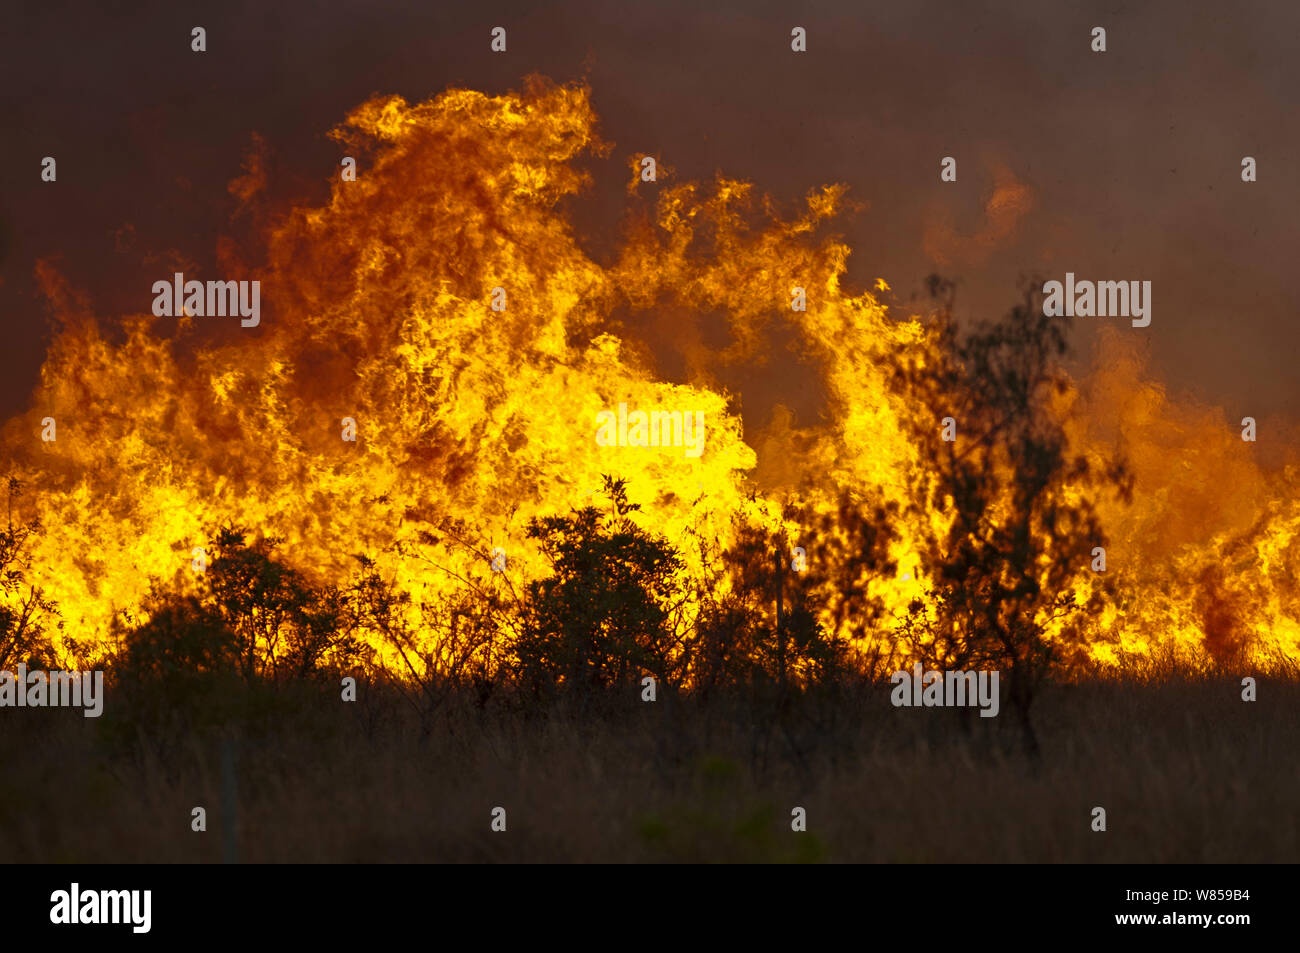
(1122, 165)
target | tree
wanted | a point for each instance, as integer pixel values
(849, 545)
(25, 612)
(174, 673)
(1019, 522)
(767, 624)
(604, 616)
(285, 628)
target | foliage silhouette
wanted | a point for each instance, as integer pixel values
(26, 613)
(605, 617)
(1020, 511)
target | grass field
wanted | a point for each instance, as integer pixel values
(1186, 771)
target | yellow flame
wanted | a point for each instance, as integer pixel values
(472, 421)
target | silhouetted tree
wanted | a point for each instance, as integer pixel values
(284, 626)
(762, 610)
(603, 617)
(25, 612)
(173, 672)
(235, 651)
(846, 547)
(181, 636)
(1020, 523)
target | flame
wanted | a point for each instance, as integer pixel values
(471, 421)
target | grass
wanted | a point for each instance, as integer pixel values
(1186, 771)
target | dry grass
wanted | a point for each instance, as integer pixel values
(1186, 771)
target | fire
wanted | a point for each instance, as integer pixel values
(471, 421)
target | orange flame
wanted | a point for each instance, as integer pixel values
(472, 421)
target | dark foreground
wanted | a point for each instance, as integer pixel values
(1185, 770)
